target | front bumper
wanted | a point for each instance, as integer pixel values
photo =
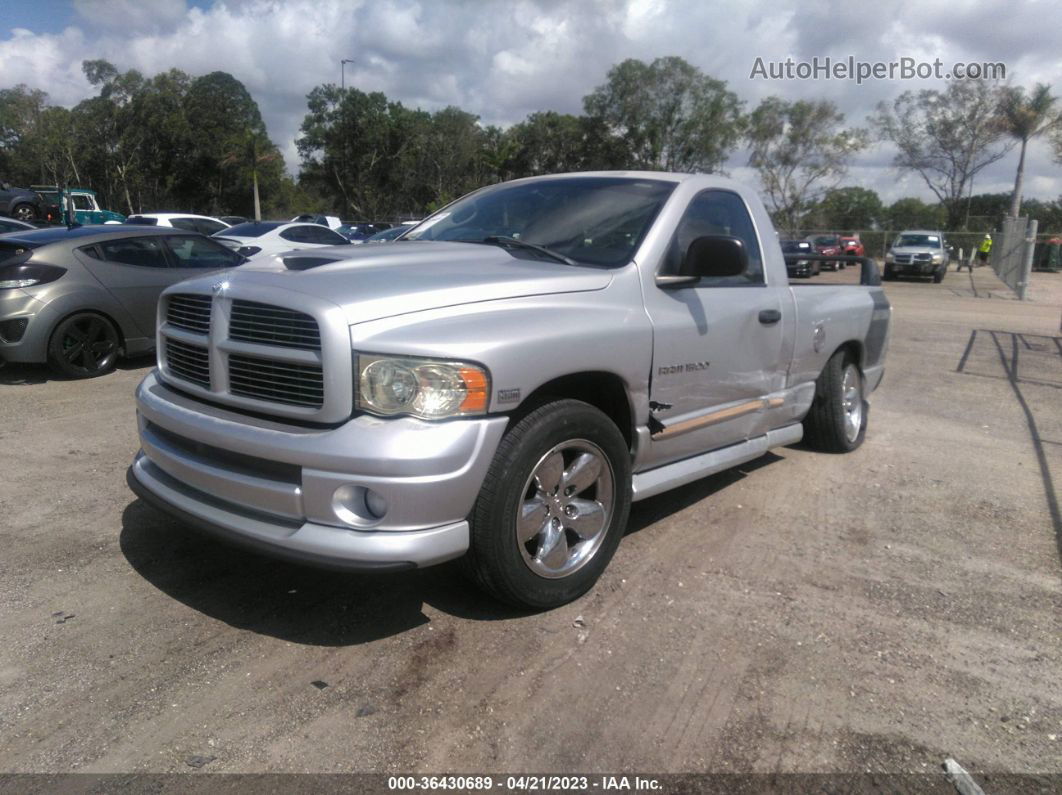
(31, 344)
(913, 268)
(275, 486)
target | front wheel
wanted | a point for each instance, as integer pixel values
(837, 420)
(553, 507)
(83, 346)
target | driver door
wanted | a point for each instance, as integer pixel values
(718, 344)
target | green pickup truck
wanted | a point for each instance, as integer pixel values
(86, 209)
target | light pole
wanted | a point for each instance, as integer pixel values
(342, 98)
(342, 72)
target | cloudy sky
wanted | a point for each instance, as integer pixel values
(505, 59)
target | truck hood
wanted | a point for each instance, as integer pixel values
(383, 280)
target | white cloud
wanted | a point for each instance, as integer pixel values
(503, 60)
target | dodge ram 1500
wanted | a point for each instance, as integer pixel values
(501, 382)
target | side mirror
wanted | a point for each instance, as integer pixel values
(708, 256)
(715, 255)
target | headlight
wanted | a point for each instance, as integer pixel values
(431, 389)
(888, 256)
(938, 258)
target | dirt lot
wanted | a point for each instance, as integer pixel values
(878, 611)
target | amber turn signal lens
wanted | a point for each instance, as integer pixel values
(477, 392)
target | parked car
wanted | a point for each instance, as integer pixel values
(11, 225)
(828, 245)
(21, 204)
(274, 237)
(852, 246)
(87, 208)
(917, 252)
(794, 266)
(331, 221)
(387, 235)
(189, 222)
(541, 353)
(79, 298)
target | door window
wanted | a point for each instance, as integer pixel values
(145, 252)
(717, 212)
(198, 252)
(82, 201)
(324, 236)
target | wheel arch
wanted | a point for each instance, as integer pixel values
(605, 391)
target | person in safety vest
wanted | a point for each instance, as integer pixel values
(984, 248)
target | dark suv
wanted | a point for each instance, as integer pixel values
(25, 205)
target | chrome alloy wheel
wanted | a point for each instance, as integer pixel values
(852, 400)
(567, 505)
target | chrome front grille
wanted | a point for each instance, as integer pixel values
(189, 362)
(189, 311)
(903, 259)
(279, 382)
(265, 356)
(273, 325)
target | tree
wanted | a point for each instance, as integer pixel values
(1023, 118)
(846, 208)
(250, 151)
(912, 213)
(800, 150)
(946, 137)
(669, 114)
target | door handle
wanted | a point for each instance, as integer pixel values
(769, 317)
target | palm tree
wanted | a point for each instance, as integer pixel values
(1023, 118)
(250, 151)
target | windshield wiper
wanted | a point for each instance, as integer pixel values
(513, 242)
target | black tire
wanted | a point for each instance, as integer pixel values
(498, 561)
(828, 427)
(24, 212)
(889, 276)
(938, 277)
(84, 345)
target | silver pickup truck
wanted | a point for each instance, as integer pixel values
(502, 382)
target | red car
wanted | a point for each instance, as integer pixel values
(828, 245)
(853, 246)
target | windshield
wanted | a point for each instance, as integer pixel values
(922, 241)
(592, 220)
(825, 240)
(795, 246)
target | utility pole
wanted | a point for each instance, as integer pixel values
(343, 100)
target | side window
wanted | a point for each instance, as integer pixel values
(297, 234)
(326, 237)
(198, 252)
(187, 224)
(717, 212)
(207, 227)
(82, 201)
(145, 252)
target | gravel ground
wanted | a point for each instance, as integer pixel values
(878, 611)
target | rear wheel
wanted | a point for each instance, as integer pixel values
(83, 346)
(553, 507)
(837, 421)
(24, 212)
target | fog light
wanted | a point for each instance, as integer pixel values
(358, 506)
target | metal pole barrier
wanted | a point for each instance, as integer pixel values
(1027, 257)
